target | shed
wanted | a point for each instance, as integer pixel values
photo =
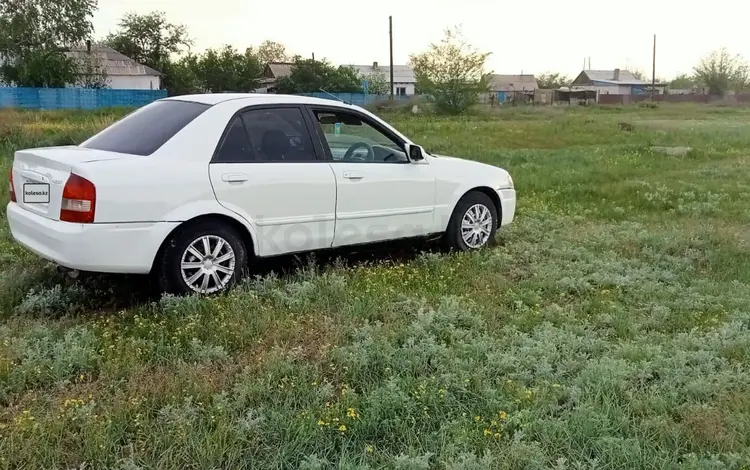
(509, 87)
(271, 73)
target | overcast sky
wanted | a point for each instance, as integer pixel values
(533, 37)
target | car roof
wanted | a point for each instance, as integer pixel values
(260, 98)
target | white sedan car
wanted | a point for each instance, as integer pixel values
(190, 188)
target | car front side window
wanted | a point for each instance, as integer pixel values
(351, 138)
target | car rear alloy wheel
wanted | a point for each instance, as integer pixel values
(473, 223)
(207, 265)
(476, 226)
(204, 257)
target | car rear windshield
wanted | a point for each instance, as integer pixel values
(148, 128)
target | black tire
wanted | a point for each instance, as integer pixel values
(168, 269)
(453, 238)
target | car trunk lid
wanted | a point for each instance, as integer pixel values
(39, 175)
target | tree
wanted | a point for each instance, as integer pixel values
(552, 80)
(33, 35)
(377, 83)
(150, 40)
(227, 69)
(271, 51)
(41, 68)
(452, 72)
(639, 75)
(682, 81)
(314, 75)
(721, 72)
(183, 75)
(345, 79)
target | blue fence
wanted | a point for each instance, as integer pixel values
(75, 98)
(86, 98)
(359, 99)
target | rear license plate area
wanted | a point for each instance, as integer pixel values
(36, 193)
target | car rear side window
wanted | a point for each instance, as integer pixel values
(236, 146)
(148, 128)
(267, 135)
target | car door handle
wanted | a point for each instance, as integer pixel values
(234, 177)
(353, 175)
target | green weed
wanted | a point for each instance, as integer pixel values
(608, 329)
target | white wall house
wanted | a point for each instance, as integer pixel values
(134, 82)
(122, 72)
(404, 82)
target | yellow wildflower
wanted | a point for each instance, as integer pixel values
(342, 428)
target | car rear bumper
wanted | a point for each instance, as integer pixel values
(108, 248)
(507, 205)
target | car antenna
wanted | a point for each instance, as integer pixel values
(335, 97)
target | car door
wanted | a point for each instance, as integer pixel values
(381, 194)
(267, 170)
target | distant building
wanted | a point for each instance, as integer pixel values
(122, 72)
(613, 82)
(271, 73)
(404, 82)
(507, 87)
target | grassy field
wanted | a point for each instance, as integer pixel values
(609, 329)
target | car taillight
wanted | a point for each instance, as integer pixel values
(10, 181)
(78, 200)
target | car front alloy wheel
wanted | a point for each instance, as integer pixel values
(476, 226)
(473, 223)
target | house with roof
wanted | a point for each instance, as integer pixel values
(271, 73)
(613, 82)
(122, 72)
(404, 81)
(508, 86)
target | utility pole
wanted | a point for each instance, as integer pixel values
(313, 56)
(653, 72)
(390, 36)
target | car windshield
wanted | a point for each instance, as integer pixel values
(146, 129)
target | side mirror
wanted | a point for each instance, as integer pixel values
(416, 153)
